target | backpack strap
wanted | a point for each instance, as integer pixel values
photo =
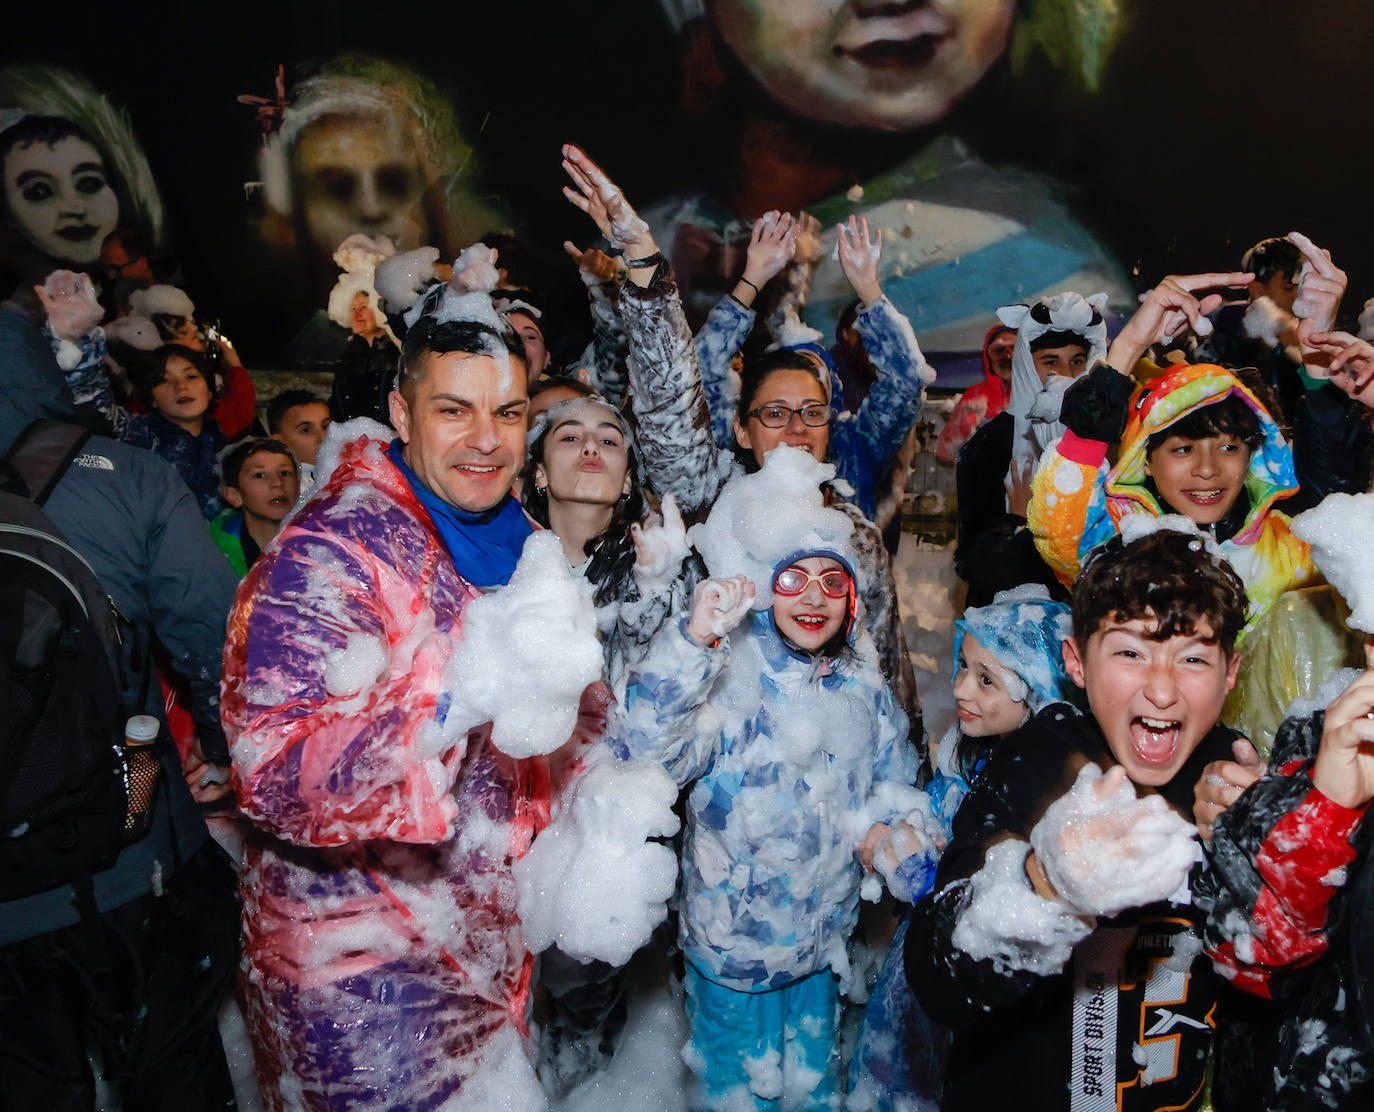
(41, 454)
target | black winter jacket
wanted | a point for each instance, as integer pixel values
(995, 550)
(1289, 900)
(1014, 1031)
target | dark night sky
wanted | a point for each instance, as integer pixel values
(1217, 124)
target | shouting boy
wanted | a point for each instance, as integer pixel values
(1059, 945)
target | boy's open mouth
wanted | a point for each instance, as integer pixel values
(1155, 740)
(809, 621)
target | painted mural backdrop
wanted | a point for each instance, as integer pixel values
(1007, 148)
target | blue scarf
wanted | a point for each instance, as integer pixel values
(484, 546)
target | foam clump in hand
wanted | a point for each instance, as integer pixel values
(593, 882)
(1104, 849)
(528, 651)
(1340, 530)
(401, 279)
(761, 519)
(360, 252)
(474, 270)
(1006, 922)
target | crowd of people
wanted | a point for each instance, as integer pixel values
(402, 638)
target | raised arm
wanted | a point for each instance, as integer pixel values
(727, 326)
(894, 401)
(658, 718)
(674, 425)
(605, 355)
(1280, 851)
(1321, 286)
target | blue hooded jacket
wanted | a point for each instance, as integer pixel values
(787, 755)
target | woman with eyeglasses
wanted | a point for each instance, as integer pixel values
(864, 444)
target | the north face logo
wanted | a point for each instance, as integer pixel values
(98, 463)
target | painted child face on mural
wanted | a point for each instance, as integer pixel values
(59, 198)
(359, 173)
(890, 66)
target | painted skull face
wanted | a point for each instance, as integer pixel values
(359, 173)
(60, 199)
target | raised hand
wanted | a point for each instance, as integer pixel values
(1103, 849)
(659, 549)
(1222, 782)
(475, 270)
(1167, 309)
(1017, 484)
(1344, 770)
(1321, 285)
(717, 607)
(1349, 362)
(770, 247)
(69, 300)
(859, 256)
(601, 199)
(594, 265)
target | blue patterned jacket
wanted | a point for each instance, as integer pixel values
(786, 755)
(863, 444)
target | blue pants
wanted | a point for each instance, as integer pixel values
(775, 1048)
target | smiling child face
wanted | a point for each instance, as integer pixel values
(1154, 700)
(810, 619)
(890, 67)
(983, 704)
(1200, 478)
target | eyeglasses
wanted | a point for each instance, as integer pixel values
(779, 416)
(794, 580)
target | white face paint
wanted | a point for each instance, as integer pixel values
(60, 199)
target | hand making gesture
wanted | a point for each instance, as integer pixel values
(1169, 308)
(601, 199)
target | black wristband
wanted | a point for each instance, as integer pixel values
(648, 260)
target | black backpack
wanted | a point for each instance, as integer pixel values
(63, 776)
